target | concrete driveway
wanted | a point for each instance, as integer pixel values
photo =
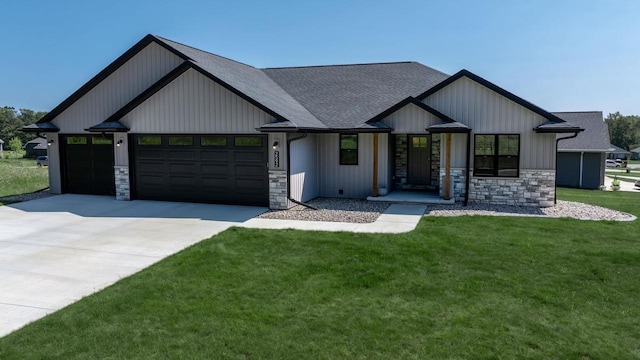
(56, 250)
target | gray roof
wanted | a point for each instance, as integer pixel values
(250, 81)
(618, 149)
(346, 96)
(595, 136)
(38, 140)
(636, 150)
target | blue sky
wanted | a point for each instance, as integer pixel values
(560, 55)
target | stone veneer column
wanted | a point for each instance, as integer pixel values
(123, 191)
(458, 181)
(531, 188)
(401, 161)
(278, 190)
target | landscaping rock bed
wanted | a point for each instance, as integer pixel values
(334, 210)
(362, 211)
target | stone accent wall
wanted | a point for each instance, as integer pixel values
(458, 180)
(400, 177)
(123, 190)
(435, 158)
(532, 188)
(278, 190)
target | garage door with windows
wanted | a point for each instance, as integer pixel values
(88, 164)
(224, 169)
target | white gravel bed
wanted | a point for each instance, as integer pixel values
(568, 209)
(27, 197)
(333, 210)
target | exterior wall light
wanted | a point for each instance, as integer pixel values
(50, 142)
(275, 145)
(119, 142)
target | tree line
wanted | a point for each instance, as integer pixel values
(12, 120)
(624, 131)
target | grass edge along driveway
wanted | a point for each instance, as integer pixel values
(467, 287)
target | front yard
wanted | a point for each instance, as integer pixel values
(467, 287)
(20, 176)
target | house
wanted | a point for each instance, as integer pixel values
(1, 144)
(167, 121)
(581, 159)
(618, 153)
(635, 153)
(36, 147)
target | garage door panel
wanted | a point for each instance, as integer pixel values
(88, 164)
(203, 171)
(246, 156)
(222, 155)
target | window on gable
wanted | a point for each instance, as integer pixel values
(496, 155)
(348, 149)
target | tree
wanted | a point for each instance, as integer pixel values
(11, 121)
(15, 144)
(624, 131)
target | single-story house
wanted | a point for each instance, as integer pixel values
(635, 153)
(35, 147)
(167, 121)
(581, 159)
(618, 153)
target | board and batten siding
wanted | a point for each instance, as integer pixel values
(355, 180)
(55, 175)
(193, 103)
(410, 119)
(487, 112)
(304, 168)
(123, 85)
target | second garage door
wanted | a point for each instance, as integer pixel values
(224, 169)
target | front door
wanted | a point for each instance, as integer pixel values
(419, 160)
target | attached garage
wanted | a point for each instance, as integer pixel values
(88, 164)
(225, 169)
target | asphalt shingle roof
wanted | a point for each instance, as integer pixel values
(346, 96)
(250, 81)
(595, 135)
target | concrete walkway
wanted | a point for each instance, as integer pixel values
(398, 218)
(624, 185)
(56, 250)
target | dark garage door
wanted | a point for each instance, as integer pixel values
(224, 169)
(88, 164)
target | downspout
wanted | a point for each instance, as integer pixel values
(466, 172)
(289, 141)
(555, 184)
(581, 167)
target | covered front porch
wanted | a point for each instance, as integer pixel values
(412, 197)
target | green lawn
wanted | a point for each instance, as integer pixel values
(455, 288)
(20, 176)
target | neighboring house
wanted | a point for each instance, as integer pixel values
(635, 153)
(581, 160)
(617, 153)
(36, 147)
(167, 121)
(1, 145)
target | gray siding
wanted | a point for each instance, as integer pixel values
(355, 180)
(132, 78)
(410, 119)
(193, 103)
(304, 169)
(121, 153)
(55, 177)
(568, 173)
(486, 111)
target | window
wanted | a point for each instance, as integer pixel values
(348, 149)
(213, 141)
(497, 155)
(248, 141)
(419, 142)
(99, 140)
(77, 140)
(181, 140)
(149, 140)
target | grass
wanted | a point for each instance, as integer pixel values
(20, 176)
(467, 287)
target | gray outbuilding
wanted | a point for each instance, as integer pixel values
(581, 160)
